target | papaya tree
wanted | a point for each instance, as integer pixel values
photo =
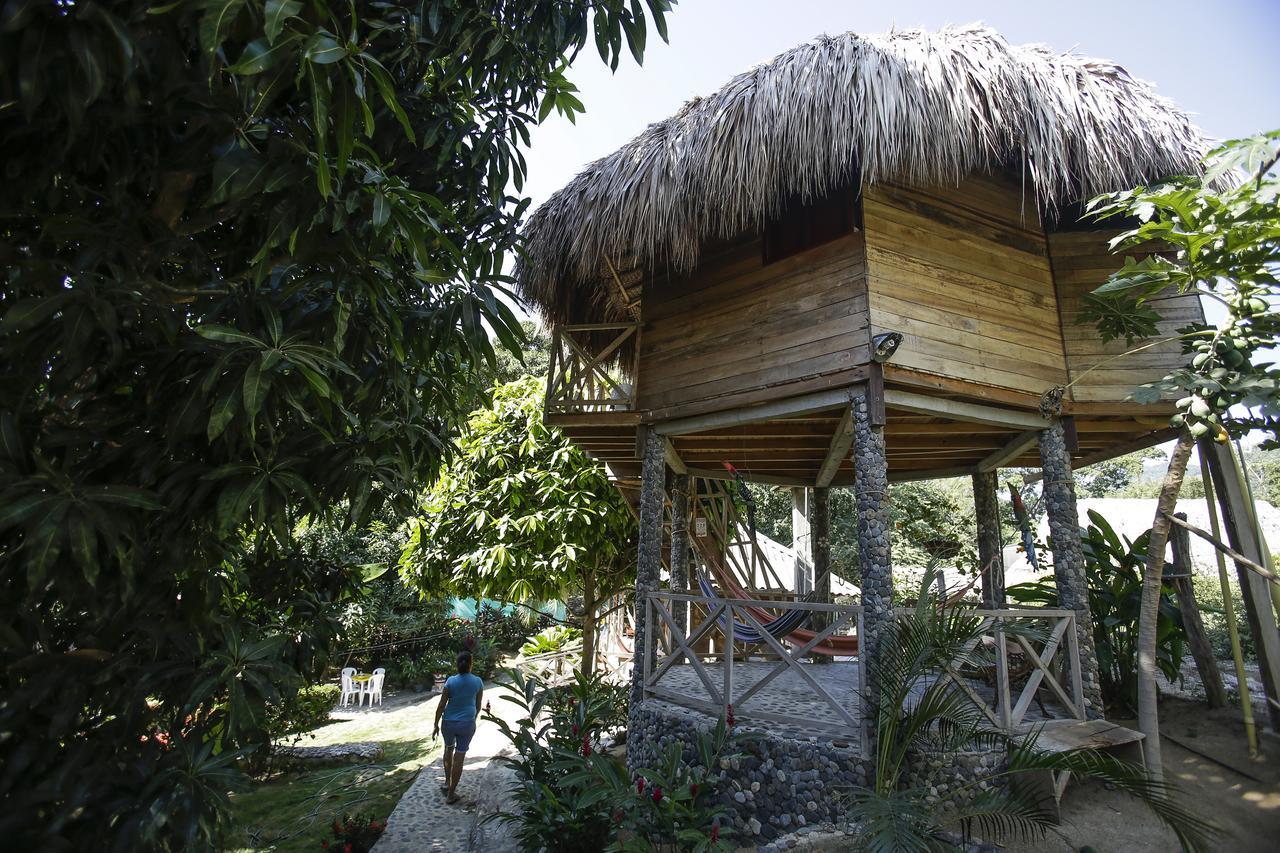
(1218, 236)
(522, 515)
(250, 253)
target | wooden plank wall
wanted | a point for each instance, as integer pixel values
(963, 273)
(737, 325)
(1081, 262)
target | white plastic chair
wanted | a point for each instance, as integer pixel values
(373, 687)
(350, 690)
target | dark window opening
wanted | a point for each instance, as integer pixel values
(804, 225)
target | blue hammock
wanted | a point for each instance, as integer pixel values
(780, 627)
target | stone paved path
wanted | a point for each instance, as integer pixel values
(423, 821)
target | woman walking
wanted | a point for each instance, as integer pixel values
(459, 706)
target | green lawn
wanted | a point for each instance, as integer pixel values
(293, 812)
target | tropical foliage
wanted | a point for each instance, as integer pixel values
(918, 714)
(522, 515)
(251, 250)
(571, 797)
(1221, 235)
(1114, 568)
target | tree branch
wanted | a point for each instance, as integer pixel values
(1226, 549)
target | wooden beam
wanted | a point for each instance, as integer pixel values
(768, 479)
(1020, 444)
(1140, 443)
(841, 441)
(962, 411)
(802, 405)
(674, 462)
(929, 474)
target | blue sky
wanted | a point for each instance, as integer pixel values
(1215, 58)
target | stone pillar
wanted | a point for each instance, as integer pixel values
(820, 533)
(649, 554)
(986, 506)
(1068, 559)
(801, 540)
(871, 486)
(679, 558)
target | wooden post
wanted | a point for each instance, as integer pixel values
(679, 558)
(1068, 558)
(986, 507)
(871, 483)
(1197, 639)
(649, 553)
(1242, 536)
(801, 539)
(820, 533)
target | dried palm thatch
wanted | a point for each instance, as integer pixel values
(916, 107)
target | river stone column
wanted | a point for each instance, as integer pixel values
(679, 559)
(820, 533)
(986, 507)
(1068, 559)
(871, 486)
(649, 554)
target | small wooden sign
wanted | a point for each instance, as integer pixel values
(700, 526)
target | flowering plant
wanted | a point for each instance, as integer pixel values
(354, 834)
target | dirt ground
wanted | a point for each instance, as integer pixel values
(1206, 757)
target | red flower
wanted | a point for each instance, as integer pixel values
(617, 815)
(657, 794)
(693, 789)
(575, 729)
(324, 844)
(640, 785)
(729, 716)
(347, 848)
(715, 832)
(586, 746)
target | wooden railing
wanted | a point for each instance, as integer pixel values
(580, 378)
(1024, 660)
(1027, 661)
(674, 645)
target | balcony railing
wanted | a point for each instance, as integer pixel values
(583, 372)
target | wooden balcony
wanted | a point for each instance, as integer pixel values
(585, 374)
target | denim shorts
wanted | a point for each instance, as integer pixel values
(458, 734)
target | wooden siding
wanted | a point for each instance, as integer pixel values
(739, 326)
(1081, 262)
(963, 273)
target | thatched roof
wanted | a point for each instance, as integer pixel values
(916, 107)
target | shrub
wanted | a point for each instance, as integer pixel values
(508, 630)
(572, 798)
(549, 640)
(1209, 597)
(307, 709)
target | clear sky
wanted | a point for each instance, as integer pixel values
(1215, 58)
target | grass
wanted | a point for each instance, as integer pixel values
(292, 812)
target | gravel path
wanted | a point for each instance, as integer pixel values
(423, 821)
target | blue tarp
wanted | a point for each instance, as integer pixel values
(465, 608)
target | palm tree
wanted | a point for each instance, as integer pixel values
(920, 713)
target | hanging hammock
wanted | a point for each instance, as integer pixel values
(779, 627)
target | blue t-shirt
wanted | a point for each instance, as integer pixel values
(463, 689)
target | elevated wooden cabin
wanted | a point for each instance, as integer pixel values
(865, 261)
(726, 277)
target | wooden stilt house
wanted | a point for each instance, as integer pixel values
(865, 259)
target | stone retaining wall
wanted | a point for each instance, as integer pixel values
(777, 785)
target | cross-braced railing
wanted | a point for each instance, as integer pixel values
(675, 646)
(1031, 650)
(581, 378)
(1024, 660)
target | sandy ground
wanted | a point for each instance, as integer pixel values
(1206, 757)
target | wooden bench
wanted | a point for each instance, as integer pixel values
(1062, 735)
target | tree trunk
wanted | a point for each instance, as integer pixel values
(1197, 639)
(588, 621)
(1152, 580)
